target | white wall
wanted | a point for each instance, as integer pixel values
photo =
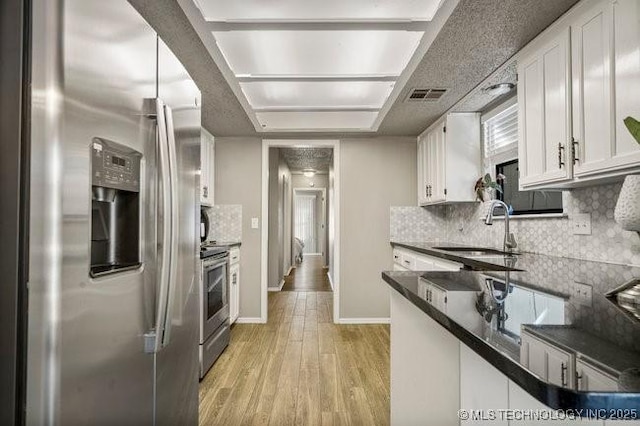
(278, 263)
(375, 174)
(238, 181)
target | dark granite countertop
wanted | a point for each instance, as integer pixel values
(496, 338)
(557, 275)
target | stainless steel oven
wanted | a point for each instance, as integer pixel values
(214, 307)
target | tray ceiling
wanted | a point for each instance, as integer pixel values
(317, 66)
(476, 37)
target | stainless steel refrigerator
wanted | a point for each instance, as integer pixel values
(113, 235)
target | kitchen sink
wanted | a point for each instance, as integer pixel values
(474, 251)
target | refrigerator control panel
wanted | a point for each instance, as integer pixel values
(115, 166)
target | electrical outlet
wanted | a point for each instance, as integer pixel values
(582, 293)
(581, 223)
(254, 223)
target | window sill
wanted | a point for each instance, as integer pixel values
(532, 216)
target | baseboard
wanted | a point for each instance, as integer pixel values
(364, 321)
(330, 280)
(276, 288)
(311, 254)
(288, 272)
(248, 320)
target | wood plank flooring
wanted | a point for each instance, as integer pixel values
(300, 369)
(310, 275)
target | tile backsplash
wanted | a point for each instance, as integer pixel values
(225, 223)
(463, 223)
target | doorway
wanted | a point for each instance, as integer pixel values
(300, 226)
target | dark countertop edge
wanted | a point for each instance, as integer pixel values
(227, 244)
(474, 264)
(551, 395)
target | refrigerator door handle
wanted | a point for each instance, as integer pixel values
(153, 340)
(173, 245)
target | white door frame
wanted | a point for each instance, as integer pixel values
(285, 143)
(322, 237)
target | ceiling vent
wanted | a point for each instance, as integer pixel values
(425, 95)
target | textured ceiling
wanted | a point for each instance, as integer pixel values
(299, 159)
(478, 37)
(478, 99)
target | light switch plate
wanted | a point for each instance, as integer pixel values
(581, 224)
(254, 223)
(583, 294)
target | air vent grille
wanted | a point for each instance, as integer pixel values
(425, 95)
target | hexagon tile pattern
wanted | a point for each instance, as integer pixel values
(464, 223)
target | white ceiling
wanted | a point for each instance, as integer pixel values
(327, 65)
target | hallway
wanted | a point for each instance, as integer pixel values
(310, 275)
(300, 369)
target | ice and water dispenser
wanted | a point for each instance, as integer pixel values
(115, 208)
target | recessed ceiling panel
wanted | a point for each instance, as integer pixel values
(284, 94)
(317, 52)
(322, 120)
(312, 10)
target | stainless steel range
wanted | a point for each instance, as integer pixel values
(214, 305)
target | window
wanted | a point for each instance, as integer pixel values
(500, 139)
(525, 202)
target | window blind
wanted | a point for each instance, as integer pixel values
(501, 132)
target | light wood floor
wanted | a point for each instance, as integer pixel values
(309, 275)
(300, 369)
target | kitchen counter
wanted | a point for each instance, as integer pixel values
(560, 276)
(497, 341)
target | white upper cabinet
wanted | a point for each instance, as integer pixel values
(626, 66)
(577, 82)
(590, 54)
(206, 168)
(449, 160)
(545, 112)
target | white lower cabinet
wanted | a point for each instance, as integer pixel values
(592, 379)
(413, 261)
(234, 285)
(549, 362)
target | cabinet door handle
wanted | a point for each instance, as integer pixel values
(205, 191)
(560, 155)
(426, 191)
(563, 374)
(407, 262)
(574, 150)
(578, 381)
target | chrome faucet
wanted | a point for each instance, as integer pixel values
(509, 239)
